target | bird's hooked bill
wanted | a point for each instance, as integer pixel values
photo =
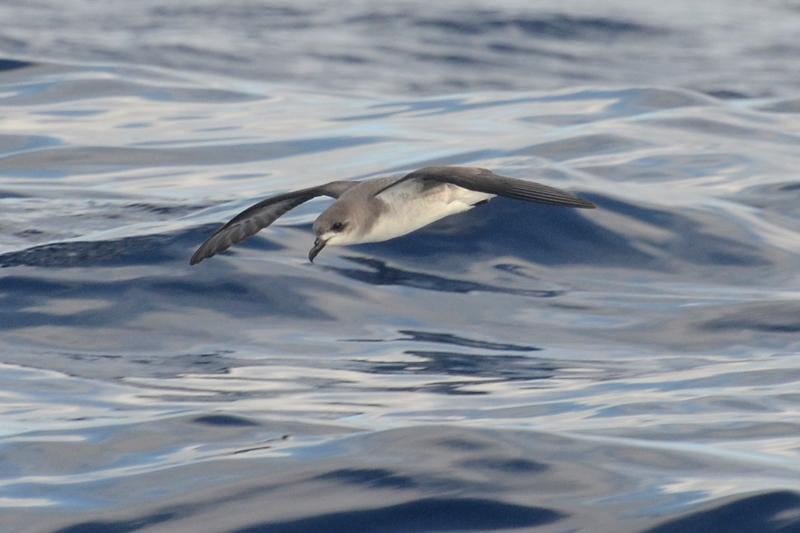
(317, 248)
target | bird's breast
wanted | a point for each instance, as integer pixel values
(407, 209)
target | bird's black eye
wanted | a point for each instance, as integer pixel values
(337, 226)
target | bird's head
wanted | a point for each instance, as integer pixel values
(336, 226)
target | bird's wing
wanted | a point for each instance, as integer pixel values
(259, 216)
(482, 180)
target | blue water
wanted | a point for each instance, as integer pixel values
(514, 368)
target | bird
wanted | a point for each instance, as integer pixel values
(380, 209)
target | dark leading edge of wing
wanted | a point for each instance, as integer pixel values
(259, 216)
(482, 180)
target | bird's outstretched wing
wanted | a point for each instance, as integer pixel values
(482, 180)
(259, 216)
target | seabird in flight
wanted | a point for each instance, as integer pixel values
(380, 209)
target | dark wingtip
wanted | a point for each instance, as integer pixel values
(199, 256)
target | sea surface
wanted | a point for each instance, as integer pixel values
(518, 367)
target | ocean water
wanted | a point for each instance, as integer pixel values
(519, 367)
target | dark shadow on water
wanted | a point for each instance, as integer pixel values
(26, 296)
(381, 478)
(499, 366)
(507, 466)
(25, 300)
(456, 340)
(774, 512)
(121, 526)
(503, 367)
(224, 420)
(151, 249)
(419, 516)
(449, 339)
(382, 274)
(137, 250)
(11, 64)
(727, 94)
(426, 515)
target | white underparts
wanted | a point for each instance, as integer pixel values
(409, 207)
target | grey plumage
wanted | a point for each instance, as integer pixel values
(259, 216)
(482, 180)
(384, 208)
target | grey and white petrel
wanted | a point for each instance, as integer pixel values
(380, 209)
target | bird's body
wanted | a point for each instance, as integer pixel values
(384, 208)
(404, 208)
